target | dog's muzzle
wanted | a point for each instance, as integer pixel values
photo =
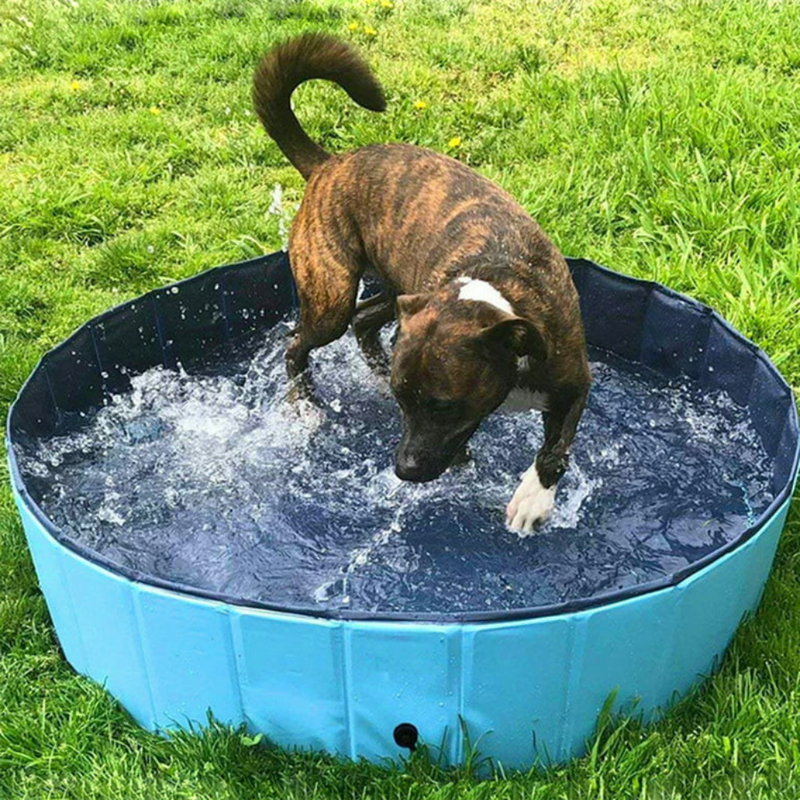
(417, 470)
(420, 462)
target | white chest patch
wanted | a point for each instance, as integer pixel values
(483, 292)
(525, 400)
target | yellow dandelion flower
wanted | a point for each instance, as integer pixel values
(155, 110)
(353, 26)
(454, 142)
(420, 104)
(370, 31)
(387, 4)
(75, 85)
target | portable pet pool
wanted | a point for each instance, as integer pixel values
(526, 683)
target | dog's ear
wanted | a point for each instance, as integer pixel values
(410, 304)
(518, 334)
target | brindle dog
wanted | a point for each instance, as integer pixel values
(485, 302)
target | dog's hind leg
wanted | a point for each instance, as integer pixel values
(326, 289)
(371, 315)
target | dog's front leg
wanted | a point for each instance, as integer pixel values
(534, 498)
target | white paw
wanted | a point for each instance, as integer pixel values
(530, 504)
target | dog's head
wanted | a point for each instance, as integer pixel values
(454, 363)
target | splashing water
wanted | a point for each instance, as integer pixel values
(215, 480)
(284, 214)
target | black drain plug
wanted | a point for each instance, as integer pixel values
(406, 735)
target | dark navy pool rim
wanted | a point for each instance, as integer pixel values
(279, 260)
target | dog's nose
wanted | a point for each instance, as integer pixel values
(408, 472)
(410, 469)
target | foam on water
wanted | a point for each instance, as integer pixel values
(213, 479)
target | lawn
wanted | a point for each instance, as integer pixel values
(659, 138)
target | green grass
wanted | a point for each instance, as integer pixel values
(660, 138)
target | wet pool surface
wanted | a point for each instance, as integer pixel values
(212, 479)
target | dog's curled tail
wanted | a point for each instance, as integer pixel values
(285, 67)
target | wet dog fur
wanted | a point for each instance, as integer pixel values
(486, 306)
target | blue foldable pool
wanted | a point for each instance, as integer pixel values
(476, 638)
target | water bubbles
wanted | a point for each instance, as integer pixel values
(214, 478)
(109, 514)
(579, 488)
